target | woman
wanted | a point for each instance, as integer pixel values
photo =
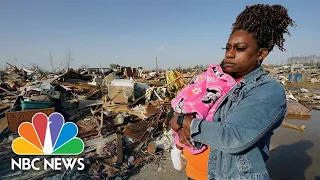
(245, 119)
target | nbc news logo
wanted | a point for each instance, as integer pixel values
(47, 136)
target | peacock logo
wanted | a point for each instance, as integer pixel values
(48, 136)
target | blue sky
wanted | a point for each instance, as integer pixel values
(135, 32)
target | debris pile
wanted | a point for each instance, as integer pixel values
(310, 100)
(302, 85)
(121, 113)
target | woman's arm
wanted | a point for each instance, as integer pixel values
(263, 107)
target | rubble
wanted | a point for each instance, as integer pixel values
(304, 89)
(121, 114)
(112, 118)
(307, 99)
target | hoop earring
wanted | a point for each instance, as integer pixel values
(259, 63)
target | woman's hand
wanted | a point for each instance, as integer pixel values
(187, 122)
(173, 123)
(184, 136)
(184, 132)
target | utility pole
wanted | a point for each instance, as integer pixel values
(157, 63)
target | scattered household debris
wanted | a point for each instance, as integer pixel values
(121, 114)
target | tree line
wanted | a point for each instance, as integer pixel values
(310, 60)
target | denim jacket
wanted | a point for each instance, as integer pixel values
(243, 124)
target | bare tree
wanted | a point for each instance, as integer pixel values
(51, 62)
(84, 66)
(69, 58)
(15, 61)
(34, 66)
(53, 68)
(114, 66)
(306, 60)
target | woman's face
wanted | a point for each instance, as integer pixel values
(242, 54)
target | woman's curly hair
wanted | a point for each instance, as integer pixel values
(268, 23)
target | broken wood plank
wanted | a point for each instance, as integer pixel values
(90, 94)
(79, 85)
(3, 124)
(296, 108)
(137, 131)
(15, 118)
(119, 147)
(11, 97)
(86, 128)
(8, 91)
(92, 144)
(4, 107)
(292, 126)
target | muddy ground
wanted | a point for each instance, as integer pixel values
(162, 171)
(307, 85)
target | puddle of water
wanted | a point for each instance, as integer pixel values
(294, 89)
(296, 155)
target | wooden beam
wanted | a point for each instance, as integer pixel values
(119, 147)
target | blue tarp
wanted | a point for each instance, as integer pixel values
(295, 77)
